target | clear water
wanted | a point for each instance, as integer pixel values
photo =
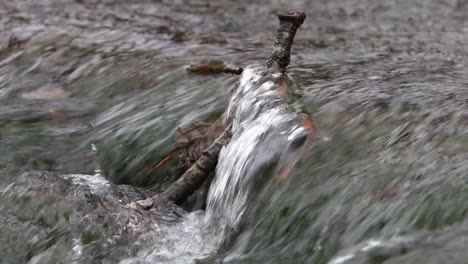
(263, 129)
(90, 86)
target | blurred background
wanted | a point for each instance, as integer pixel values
(90, 86)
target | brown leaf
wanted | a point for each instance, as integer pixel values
(191, 141)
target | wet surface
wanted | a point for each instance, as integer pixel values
(89, 84)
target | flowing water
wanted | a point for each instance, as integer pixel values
(264, 129)
(91, 92)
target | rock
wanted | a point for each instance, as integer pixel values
(48, 216)
(46, 94)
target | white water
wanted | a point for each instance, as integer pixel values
(263, 129)
(193, 238)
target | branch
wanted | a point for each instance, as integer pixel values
(214, 67)
(192, 179)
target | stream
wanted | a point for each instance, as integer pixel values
(92, 92)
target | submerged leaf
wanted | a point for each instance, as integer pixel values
(192, 140)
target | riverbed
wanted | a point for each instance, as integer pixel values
(92, 91)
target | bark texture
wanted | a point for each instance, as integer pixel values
(214, 67)
(289, 23)
(194, 177)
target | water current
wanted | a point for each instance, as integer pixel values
(92, 91)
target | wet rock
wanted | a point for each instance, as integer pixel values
(46, 217)
(179, 36)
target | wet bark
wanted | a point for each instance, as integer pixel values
(214, 67)
(192, 179)
(289, 23)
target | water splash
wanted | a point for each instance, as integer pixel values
(263, 129)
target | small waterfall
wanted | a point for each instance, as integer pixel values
(264, 127)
